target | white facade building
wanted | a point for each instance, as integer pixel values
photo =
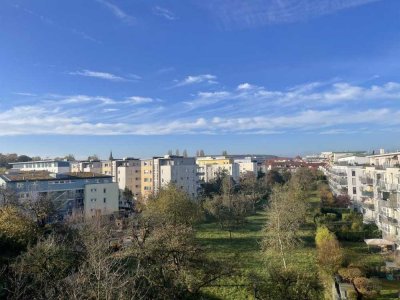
(52, 166)
(100, 199)
(86, 166)
(374, 189)
(353, 160)
(128, 175)
(209, 167)
(246, 165)
(181, 171)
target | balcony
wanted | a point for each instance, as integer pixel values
(368, 206)
(366, 180)
(388, 187)
(368, 194)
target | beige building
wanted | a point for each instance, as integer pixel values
(146, 186)
(106, 167)
(100, 199)
(210, 167)
(127, 175)
(246, 165)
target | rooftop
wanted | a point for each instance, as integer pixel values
(37, 161)
(45, 175)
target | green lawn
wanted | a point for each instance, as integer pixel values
(243, 251)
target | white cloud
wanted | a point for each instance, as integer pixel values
(100, 75)
(140, 100)
(263, 12)
(324, 108)
(245, 86)
(25, 94)
(192, 79)
(165, 13)
(117, 11)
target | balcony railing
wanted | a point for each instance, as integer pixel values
(369, 206)
(367, 180)
(369, 194)
(388, 187)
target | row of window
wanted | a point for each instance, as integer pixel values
(95, 200)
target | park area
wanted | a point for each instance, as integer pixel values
(243, 251)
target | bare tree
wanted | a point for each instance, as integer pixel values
(286, 213)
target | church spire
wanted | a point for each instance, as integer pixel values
(111, 156)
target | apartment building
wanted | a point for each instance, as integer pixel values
(345, 180)
(128, 175)
(100, 199)
(73, 194)
(179, 170)
(210, 167)
(246, 165)
(52, 166)
(86, 166)
(377, 188)
(147, 183)
(106, 167)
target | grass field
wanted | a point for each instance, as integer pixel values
(244, 252)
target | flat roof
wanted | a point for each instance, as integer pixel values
(38, 161)
(385, 154)
(45, 175)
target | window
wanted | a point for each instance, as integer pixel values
(104, 190)
(104, 200)
(353, 173)
(354, 191)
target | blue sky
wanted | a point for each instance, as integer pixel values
(140, 77)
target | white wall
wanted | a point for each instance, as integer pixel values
(100, 199)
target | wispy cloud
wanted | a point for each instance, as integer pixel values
(140, 100)
(262, 12)
(117, 11)
(193, 79)
(165, 13)
(314, 107)
(100, 75)
(50, 22)
(25, 94)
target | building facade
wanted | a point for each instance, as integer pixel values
(52, 166)
(246, 165)
(178, 170)
(67, 191)
(147, 183)
(210, 168)
(374, 189)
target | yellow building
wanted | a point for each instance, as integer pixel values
(218, 160)
(106, 167)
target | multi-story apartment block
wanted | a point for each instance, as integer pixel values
(81, 193)
(128, 175)
(146, 186)
(52, 166)
(179, 170)
(246, 165)
(210, 167)
(86, 166)
(376, 188)
(345, 180)
(106, 167)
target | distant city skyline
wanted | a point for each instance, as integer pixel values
(140, 78)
